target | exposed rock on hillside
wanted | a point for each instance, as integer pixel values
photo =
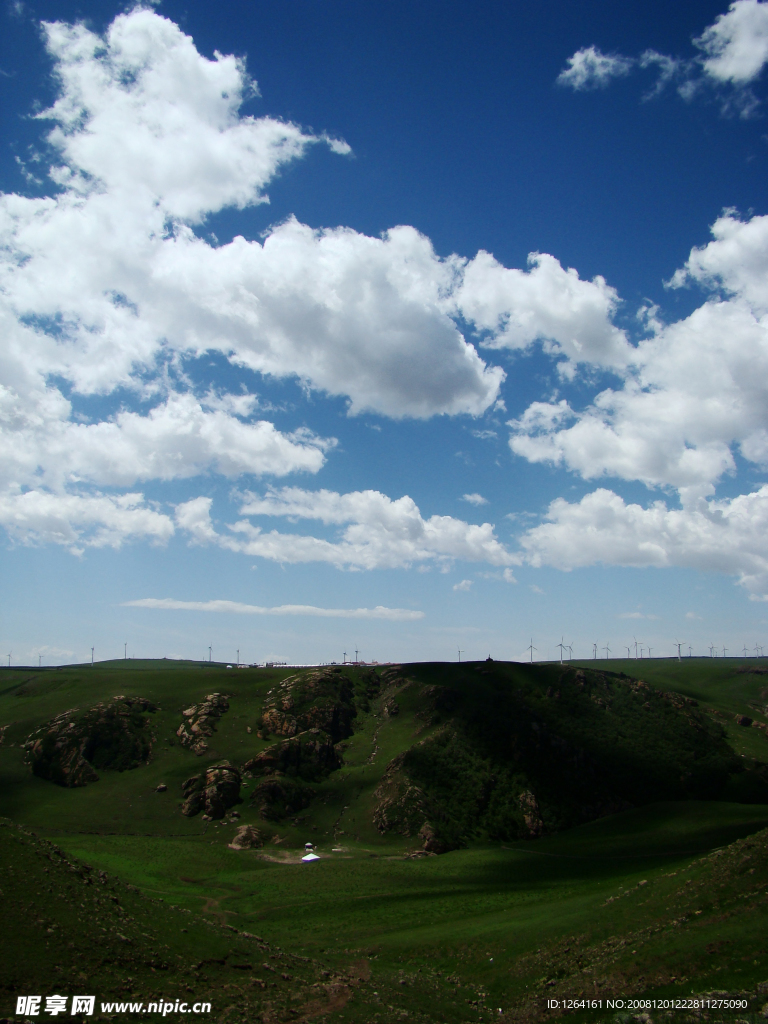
(201, 722)
(322, 699)
(113, 735)
(247, 837)
(213, 791)
(531, 813)
(309, 755)
(313, 712)
(280, 795)
(400, 805)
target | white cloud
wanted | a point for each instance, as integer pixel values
(176, 439)
(475, 499)
(238, 608)
(734, 52)
(545, 303)
(736, 44)
(78, 521)
(693, 391)
(464, 585)
(692, 615)
(142, 113)
(728, 535)
(379, 532)
(636, 615)
(104, 285)
(589, 68)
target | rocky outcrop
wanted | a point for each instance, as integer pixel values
(430, 839)
(322, 699)
(529, 805)
(247, 837)
(213, 791)
(311, 712)
(278, 796)
(310, 755)
(400, 805)
(201, 720)
(391, 708)
(114, 735)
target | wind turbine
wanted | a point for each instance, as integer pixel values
(635, 639)
(744, 651)
(629, 649)
(210, 653)
(531, 648)
(594, 651)
(650, 650)
(39, 661)
(357, 656)
(344, 658)
(9, 659)
(238, 661)
(460, 654)
(725, 651)
(92, 656)
(125, 651)
(607, 650)
(561, 645)
(678, 645)
(690, 651)
(570, 652)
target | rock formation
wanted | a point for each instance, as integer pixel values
(322, 699)
(213, 791)
(247, 837)
(311, 712)
(201, 722)
(400, 805)
(113, 735)
(309, 755)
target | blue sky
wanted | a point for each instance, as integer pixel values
(401, 328)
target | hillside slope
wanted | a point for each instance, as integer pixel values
(428, 755)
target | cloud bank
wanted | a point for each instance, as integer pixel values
(238, 608)
(379, 532)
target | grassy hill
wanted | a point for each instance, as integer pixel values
(558, 790)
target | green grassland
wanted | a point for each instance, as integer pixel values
(666, 897)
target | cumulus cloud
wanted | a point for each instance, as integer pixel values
(106, 289)
(692, 392)
(78, 521)
(475, 499)
(589, 68)
(546, 302)
(693, 396)
(379, 532)
(735, 46)
(728, 535)
(464, 585)
(238, 608)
